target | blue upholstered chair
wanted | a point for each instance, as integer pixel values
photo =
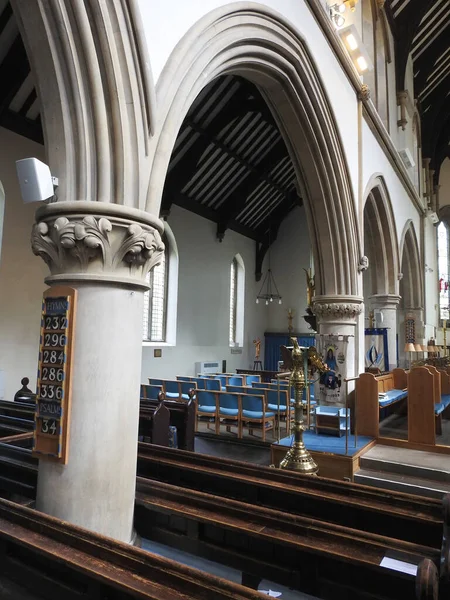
(260, 385)
(237, 380)
(207, 406)
(155, 381)
(183, 378)
(223, 381)
(254, 412)
(250, 379)
(185, 387)
(229, 412)
(150, 392)
(201, 382)
(172, 389)
(213, 385)
(235, 389)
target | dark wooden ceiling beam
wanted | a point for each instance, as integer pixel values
(235, 202)
(13, 72)
(407, 24)
(179, 174)
(424, 65)
(253, 167)
(201, 210)
(22, 126)
(5, 16)
(434, 111)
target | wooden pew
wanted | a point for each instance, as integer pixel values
(368, 404)
(425, 408)
(182, 416)
(154, 424)
(309, 555)
(395, 514)
(53, 559)
(23, 410)
(392, 514)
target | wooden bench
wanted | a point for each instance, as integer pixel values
(426, 404)
(182, 416)
(305, 554)
(393, 514)
(53, 559)
(372, 394)
(154, 424)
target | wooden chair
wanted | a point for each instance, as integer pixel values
(254, 413)
(186, 387)
(229, 412)
(206, 407)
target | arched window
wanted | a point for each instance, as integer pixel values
(161, 301)
(155, 302)
(237, 290)
(443, 251)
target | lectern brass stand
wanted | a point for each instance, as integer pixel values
(298, 458)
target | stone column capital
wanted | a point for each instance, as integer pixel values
(341, 309)
(97, 242)
(385, 300)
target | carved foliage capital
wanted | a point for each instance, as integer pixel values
(338, 311)
(95, 247)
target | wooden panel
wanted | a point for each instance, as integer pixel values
(421, 421)
(400, 379)
(51, 435)
(367, 406)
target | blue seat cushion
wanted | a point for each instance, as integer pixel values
(254, 414)
(186, 396)
(207, 409)
(438, 408)
(172, 395)
(275, 407)
(445, 399)
(391, 397)
(231, 412)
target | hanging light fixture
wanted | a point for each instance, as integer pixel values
(271, 292)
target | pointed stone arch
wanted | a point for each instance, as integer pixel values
(411, 284)
(380, 239)
(252, 41)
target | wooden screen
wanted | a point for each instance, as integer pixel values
(51, 432)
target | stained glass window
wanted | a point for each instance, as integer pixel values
(443, 249)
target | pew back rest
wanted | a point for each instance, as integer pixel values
(235, 389)
(153, 381)
(385, 382)
(421, 416)
(400, 378)
(445, 382)
(437, 383)
(367, 406)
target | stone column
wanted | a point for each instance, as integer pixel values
(338, 316)
(104, 251)
(387, 304)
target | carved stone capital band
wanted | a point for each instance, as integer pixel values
(105, 245)
(364, 92)
(335, 308)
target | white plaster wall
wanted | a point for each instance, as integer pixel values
(290, 254)
(203, 300)
(375, 162)
(21, 273)
(165, 23)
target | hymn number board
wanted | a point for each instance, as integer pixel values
(54, 374)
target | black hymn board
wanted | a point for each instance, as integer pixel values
(51, 428)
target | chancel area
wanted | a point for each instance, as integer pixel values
(224, 299)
